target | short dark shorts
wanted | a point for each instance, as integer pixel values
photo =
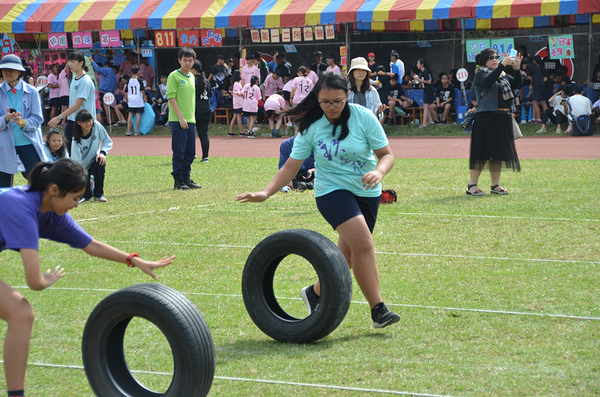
(286, 95)
(538, 93)
(237, 111)
(55, 102)
(271, 113)
(64, 100)
(248, 114)
(429, 99)
(330, 206)
(135, 110)
(125, 105)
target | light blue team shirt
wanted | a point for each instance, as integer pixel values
(15, 102)
(82, 88)
(340, 165)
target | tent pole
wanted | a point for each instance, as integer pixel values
(590, 41)
(137, 33)
(462, 42)
(241, 41)
(347, 43)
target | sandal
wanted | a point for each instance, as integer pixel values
(244, 133)
(502, 190)
(231, 134)
(477, 192)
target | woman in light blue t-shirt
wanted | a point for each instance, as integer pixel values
(347, 180)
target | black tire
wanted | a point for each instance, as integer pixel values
(177, 318)
(332, 271)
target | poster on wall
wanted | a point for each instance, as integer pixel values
(275, 35)
(329, 32)
(255, 35)
(188, 38)
(264, 36)
(308, 33)
(110, 38)
(561, 47)
(474, 47)
(164, 38)
(503, 46)
(82, 39)
(285, 35)
(319, 33)
(296, 34)
(55, 57)
(57, 41)
(211, 37)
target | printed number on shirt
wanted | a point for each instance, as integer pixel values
(249, 95)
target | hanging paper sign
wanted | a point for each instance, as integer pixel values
(188, 38)
(343, 61)
(264, 36)
(274, 35)
(319, 33)
(164, 38)
(329, 32)
(255, 35)
(503, 46)
(285, 35)
(211, 37)
(57, 41)
(82, 39)
(343, 51)
(290, 48)
(561, 47)
(51, 58)
(474, 47)
(147, 53)
(296, 34)
(308, 34)
(345, 70)
(111, 38)
(243, 58)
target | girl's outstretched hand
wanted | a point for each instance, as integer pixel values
(149, 267)
(52, 276)
(257, 197)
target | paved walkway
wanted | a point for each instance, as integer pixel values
(535, 147)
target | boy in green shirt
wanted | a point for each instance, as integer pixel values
(181, 94)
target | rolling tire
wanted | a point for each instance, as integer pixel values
(177, 318)
(332, 271)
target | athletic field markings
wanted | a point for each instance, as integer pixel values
(497, 258)
(428, 307)
(206, 206)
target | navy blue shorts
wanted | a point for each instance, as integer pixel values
(538, 93)
(330, 206)
(248, 114)
(237, 111)
(429, 99)
(64, 100)
(55, 102)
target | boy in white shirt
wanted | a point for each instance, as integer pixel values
(135, 99)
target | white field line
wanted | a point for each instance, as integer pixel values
(496, 258)
(205, 206)
(266, 381)
(428, 307)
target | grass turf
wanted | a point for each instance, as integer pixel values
(451, 265)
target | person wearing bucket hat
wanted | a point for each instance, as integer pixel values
(361, 91)
(21, 118)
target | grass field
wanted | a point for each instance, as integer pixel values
(498, 296)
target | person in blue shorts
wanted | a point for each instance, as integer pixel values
(40, 211)
(347, 180)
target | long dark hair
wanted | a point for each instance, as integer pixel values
(69, 175)
(201, 81)
(253, 81)
(63, 149)
(364, 87)
(83, 115)
(237, 75)
(309, 110)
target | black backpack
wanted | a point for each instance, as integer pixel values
(582, 125)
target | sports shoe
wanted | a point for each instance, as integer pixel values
(542, 130)
(311, 299)
(204, 160)
(275, 135)
(251, 134)
(82, 200)
(558, 130)
(121, 122)
(191, 184)
(136, 134)
(101, 199)
(128, 133)
(399, 111)
(382, 316)
(180, 185)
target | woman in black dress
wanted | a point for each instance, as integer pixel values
(492, 139)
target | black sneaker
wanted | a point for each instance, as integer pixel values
(382, 316)
(310, 298)
(180, 185)
(191, 184)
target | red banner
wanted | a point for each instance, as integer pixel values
(164, 38)
(188, 38)
(211, 37)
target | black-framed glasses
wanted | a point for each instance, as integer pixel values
(335, 104)
(494, 57)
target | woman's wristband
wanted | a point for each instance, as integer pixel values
(130, 257)
(23, 123)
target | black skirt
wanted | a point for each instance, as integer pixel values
(492, 141)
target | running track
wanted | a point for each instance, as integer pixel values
(534, 147)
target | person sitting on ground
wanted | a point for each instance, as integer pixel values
(90, 146)
(579, 105)
(444, 99)
(274, 104)
(54, 146)
(160, 102)
(305, 178)
(557, 111)
(121, 101)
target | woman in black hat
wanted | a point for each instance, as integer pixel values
(21, 118)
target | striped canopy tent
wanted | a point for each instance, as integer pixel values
(45, 16)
